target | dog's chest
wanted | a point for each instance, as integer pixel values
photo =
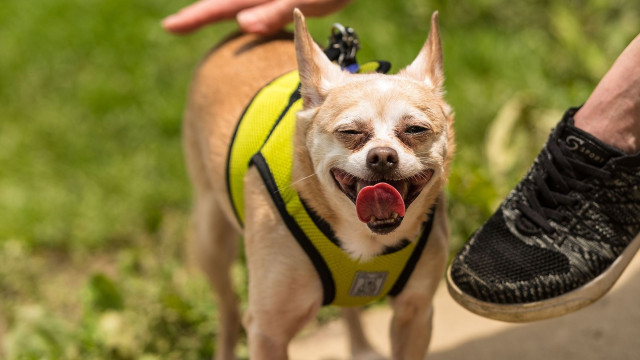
(264, 139)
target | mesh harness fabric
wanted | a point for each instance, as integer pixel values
(264, 138)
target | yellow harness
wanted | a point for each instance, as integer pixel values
(264, 138)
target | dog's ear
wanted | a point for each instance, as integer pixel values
(317, 73)
(427, 66)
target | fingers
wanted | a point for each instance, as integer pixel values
(266, 18)
(204, 12)
(272, 16)
(253, 16)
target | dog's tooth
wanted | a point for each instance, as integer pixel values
(373, 219)
(358, 186)
(394, 216)
(405, 189)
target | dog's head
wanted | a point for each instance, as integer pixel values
(378, 145)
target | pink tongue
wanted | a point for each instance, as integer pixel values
(380, 200)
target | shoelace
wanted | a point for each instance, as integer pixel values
(551, 187)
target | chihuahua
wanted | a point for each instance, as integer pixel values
(335, 180)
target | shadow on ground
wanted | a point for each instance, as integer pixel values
(608, 329)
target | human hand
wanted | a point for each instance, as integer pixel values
(253, 16)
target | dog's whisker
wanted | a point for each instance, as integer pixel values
(299, 180)
(346, 171)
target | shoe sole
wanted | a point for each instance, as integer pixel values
(545, 309)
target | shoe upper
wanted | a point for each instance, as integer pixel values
(572, 215)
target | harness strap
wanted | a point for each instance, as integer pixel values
(337, 264)
(263, 138)
(328, 285)
(269, 105)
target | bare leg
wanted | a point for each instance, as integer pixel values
(612, 112)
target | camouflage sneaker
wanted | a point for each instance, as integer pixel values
(561, 238)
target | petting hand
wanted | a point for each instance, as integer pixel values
(253, 16)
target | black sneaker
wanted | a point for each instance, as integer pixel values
(561, 238)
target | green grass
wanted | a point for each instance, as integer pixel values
(93, 194)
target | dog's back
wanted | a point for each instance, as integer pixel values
(385, 138)
(223, 85)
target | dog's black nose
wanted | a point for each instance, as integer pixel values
(382, 159)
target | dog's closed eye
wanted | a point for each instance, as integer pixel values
(350, 132)
(416, 129)
(353, 138)
(413, 135)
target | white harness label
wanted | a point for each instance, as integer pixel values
(368, 283)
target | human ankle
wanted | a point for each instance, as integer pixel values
(612, 112)
(618, 126)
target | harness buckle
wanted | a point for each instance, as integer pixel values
(343, 45)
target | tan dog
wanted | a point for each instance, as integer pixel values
(366, 146)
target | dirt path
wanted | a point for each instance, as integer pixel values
(608, 329)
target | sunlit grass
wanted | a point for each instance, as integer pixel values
(93, 195)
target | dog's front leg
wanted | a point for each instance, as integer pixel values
(361, 349)
(410, 327)
(283, 296)
(285, 291)
(413, 311)
(269, 331)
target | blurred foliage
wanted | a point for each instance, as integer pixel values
(140, 302)
(93, 197)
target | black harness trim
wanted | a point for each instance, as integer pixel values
(326, 278)
(321, 224)
(415, 256)
(383, 66)
(328, 232)
(295, 95)
(328, 285)
(227, 170)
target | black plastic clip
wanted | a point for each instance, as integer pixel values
(343, 46)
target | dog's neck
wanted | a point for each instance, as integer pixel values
(355, 237)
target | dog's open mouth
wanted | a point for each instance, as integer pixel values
(381, 204)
